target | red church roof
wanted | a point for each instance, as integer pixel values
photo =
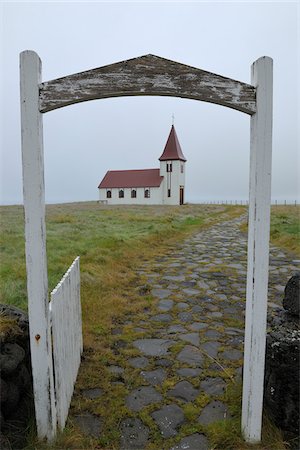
(131, 178)
(172, 149)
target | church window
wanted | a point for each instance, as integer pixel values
(169, 167)
(133, 193)
(121, 193)
(147, 193)
(169, 192)
(108, 194)
(181, 167)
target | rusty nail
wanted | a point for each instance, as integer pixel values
(37, 337)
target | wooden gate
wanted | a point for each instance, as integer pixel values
(148, 75)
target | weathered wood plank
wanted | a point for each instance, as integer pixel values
(35, 238)
(65, 311)
(258, 250)
(147, 75)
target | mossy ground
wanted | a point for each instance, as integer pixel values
(112, 243)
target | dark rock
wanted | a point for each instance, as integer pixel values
(92, 393)
(193, 442)
(116, 370)
(185, 317)
(10, 357)
(231, 355)
(141, 397)
(191, 355)
(162, 318)
(139, 362)
(211, 348)
(134, 434)
(168, 419)
(212, 412)
(165, 305)
(154, 377)
(173, 329)
(183, 391)
(213, 386)
(192, 338)
(188, 372)
(291, 300)
(198, 326)
(282, 373)
(89, 424)
(163, 362)
(153, 347)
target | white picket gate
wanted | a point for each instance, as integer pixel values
(66, 332)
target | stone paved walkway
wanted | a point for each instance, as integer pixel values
(191, 347)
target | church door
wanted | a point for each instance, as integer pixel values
(181, 195)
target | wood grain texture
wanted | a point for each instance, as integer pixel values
(35, 243)
(65, 310)
(258, 251)
(147, 75)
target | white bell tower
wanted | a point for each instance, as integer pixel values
(172, 168)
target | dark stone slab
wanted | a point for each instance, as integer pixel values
(192, 338)
(163, 362)
(182, 305)
(185, 316)
(291, 300)
(213, 386)
(231, 355)
(197, 309)
(134, 434)
(198, 326)
(142, 396)
(161, 293)
(139, 362)
(153, 347)
(165, 305)
(189, 372)
(162, 318)
(116, 370)
(282, 373)
(92, 393)
(193, 442)
(211, 348)
(212, 334)
(183, 391)
(191, 355)
(89, 424)
(168, 419)
(173, 329)
(154, 377)
(212, 412)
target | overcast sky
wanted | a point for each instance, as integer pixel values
(83, 141)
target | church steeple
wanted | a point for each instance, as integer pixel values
(172, 150)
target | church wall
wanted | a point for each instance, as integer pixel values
(155, 196)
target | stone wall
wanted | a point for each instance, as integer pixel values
(282, 362)
(16, 380)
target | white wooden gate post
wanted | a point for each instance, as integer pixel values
(35, 234)
(258, 250)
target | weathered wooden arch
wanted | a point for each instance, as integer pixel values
(147, 75)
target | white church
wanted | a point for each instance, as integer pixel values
(162, 186)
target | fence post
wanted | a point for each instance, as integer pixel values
(35, 245)
(258, 250)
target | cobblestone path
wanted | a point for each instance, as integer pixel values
(190, 348)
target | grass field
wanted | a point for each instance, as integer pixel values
(112, 243)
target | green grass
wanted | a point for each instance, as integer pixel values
(284, 228)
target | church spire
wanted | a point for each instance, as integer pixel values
(172, 150)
